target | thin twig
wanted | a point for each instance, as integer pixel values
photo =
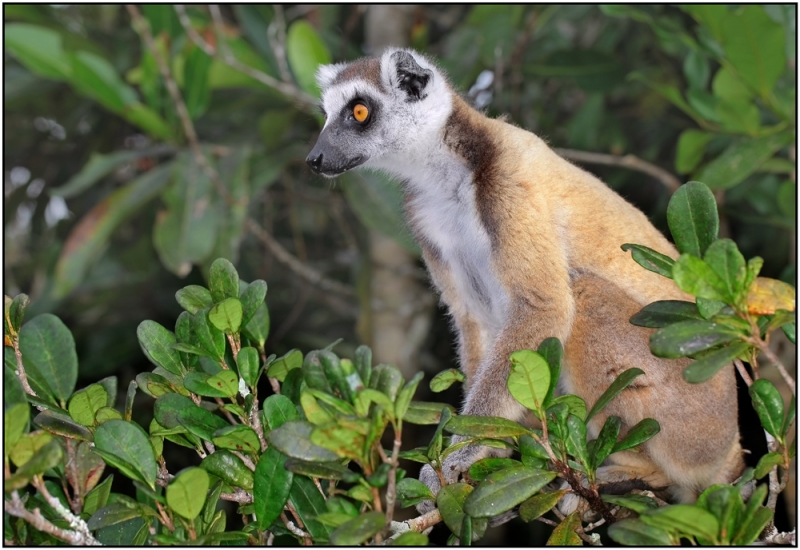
(143, 27)
(766, 350)
(16, 508)
(391, 486)
(75, 522)
(239, 495)
(286, 258)
(627, 161)
(276, 35)
(743, 372)
(246, 460)
(301, 99)
(20, 372)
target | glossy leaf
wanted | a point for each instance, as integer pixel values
(362, 360)
(200, 422)
(237, 438)
(445, 379)
(620, 383)
(223, 280)
(741, 159)
(61, 424)
(768, 404)
(450, 502)
(665, 312)
(112, 514)
(705, 368)
(15, 423)
(271, 486)
(346, 441)
(322, 470)
(97, 497)
(208, 336)
(27, 446)
(482, 468)
(387, 379)
(186, 494)
(576, 440)
(692, 218)
(359, 529)
(505, 489)
(230, 468)
(691, 520)
(574, 404)
(529, 379)
(85, 403)
(539, 505)
(606, 439)
(411, 538)
(248, 363)
(689, 337)
(309, 503)
(638, 434)
(281, 366)
(128, 442)
(564, 534)
(650, 259)
(197, 383)
(278, 410)
(724, 258)
(293, 439)
(637, 503)
(412, 491)
(404, 397)
(48, 456)
(635, 532)
(694, 276)
(226, 315)
(157, 344)
(484, 426)
(193, 298)
(225, 381)
(251, 298)
(425, 413)
(48, 351)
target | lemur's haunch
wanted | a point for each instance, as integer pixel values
(522, 246)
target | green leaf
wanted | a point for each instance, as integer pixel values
(359, 529)
(167, 408)
(484, 426)
(237, 438)
(564, 534)
(727, 262)
(620, 383)
(227, 315)
(344, 440)
(728, 86)
(405, 395)
(193, 298)
(85, 403)
(411, 538)
(195, 82)
(184, 233)
(505, 489)
(200, 422)
(309, 503)
(695, 67)
(97, 497)
(95, 77)
(575, 405)
(482, 468)
(313, 411)
(604, 444)
(540, 504)
(127, 442)
(322, 470)
(251, 298)
(694, 276)
(305, 51)
(278, 410)
(210, 337)
(692, 218)
(576, 440)
(187, 492)
(257, 329)
(706, 367)
(425, 413)
(332, 368)
(223, 280)
(158, 345)
(635, 532)
(15, 423)
(650, 259)
(689, 337)
(691, 147)
(90, 237)
(362, 359)
(272, 483)
(529, 379)
(450, 501)
(112, 515)
(61, 424)
(197, 383)
(637, 435)
(754, 518)
(637, 503)
(688, 519)
(47, 346)
(741, 159)
(768, 404)
(248, 363)
(27, 446)
(48, 456)
(38, 49)
(387, 379)
(293, 439)
(281, 366)
(754, 45)
(16, 311)
(552, 352)
(665, 312)
(412, 491)
(226, 381)
(230, 468)
(445, 379)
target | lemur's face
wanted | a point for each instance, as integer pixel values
(375, 109)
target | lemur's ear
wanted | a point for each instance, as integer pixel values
(411, 78)
(327, 74)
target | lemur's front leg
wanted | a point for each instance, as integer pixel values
(487, 394)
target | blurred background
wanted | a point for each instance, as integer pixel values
(141, 144)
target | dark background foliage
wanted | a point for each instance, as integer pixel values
(672, 87)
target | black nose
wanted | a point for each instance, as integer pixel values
(314, 162)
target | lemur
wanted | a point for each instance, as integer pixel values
(523, 246)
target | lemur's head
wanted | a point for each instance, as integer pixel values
(379, 112)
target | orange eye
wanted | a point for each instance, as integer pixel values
(360, 112)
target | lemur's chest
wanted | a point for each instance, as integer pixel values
(446, 216)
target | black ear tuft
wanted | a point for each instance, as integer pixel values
(411, 78)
